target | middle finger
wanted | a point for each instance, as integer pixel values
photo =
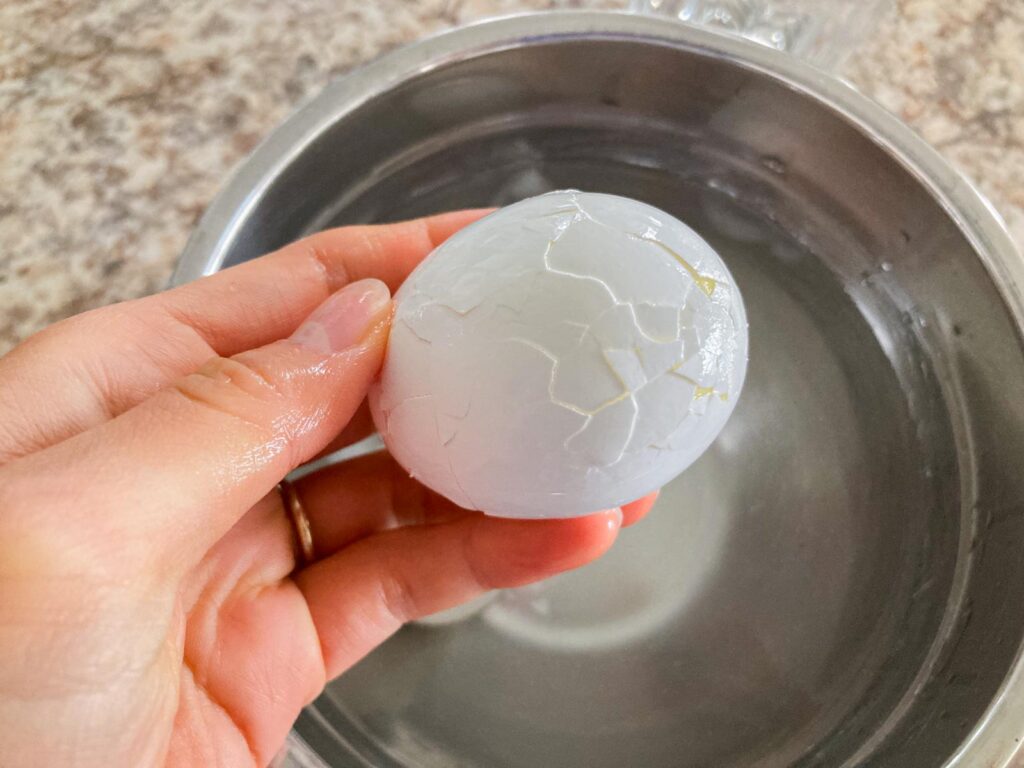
(356, 498)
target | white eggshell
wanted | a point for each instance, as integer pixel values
(568, 353)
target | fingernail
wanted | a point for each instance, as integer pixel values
(614, 518)
(345, 318)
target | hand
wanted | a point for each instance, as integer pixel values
(150, 608)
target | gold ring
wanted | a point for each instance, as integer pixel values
(300, 522)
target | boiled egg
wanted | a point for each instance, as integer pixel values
(566, 354)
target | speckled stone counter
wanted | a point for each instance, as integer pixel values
(119, 119)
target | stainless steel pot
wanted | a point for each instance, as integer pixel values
(840, 581)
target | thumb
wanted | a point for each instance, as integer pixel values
(180, 468)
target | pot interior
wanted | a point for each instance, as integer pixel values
(837, 581)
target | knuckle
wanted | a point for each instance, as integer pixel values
(476, 568)
(245, 375)
(433, 235)
(398, 596)
(235, 388)
(326, 267)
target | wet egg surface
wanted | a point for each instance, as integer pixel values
(566, 354)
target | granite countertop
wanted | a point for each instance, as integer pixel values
(120, 119)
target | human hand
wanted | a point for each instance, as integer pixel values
(151, 612)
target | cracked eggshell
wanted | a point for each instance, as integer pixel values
(568, 353)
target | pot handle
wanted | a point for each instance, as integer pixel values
(822, 32)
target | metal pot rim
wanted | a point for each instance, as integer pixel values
(998, 731)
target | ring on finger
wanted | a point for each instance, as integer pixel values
(300, 522)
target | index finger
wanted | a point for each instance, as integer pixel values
(88, 369)
(265, 299)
